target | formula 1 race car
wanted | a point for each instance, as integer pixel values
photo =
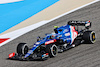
(63, 38)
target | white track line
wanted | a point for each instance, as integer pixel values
(9, 1)
(17, 33)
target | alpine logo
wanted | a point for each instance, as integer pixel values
(74, 34)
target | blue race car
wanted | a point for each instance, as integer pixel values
(63, 38)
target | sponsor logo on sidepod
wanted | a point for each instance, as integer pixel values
(51, 41)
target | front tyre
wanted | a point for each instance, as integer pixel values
(22, 48)
(52, 50)
(89, 37)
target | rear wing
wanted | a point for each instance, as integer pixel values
(87, 24)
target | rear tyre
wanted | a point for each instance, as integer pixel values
(77, 42)
(89, 37)
(52, 50)
(22, 48)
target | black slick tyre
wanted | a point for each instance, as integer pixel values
(77, 42)
(52, 50)
(89, 37)
(22, 48)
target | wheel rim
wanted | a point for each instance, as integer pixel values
(54, 50)
(93, 36)
(25, 50)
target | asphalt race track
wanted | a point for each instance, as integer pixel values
(84, 55)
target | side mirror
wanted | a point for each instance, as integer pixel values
(38, 38)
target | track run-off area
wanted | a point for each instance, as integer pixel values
(84, 55)
(55, 11)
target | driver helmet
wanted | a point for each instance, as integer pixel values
(52, 37)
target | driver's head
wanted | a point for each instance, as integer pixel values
(52, 36)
